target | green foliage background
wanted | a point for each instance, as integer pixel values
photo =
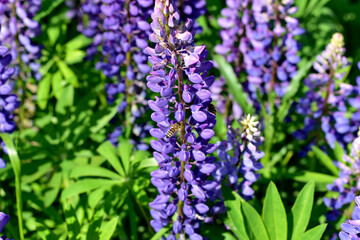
(76, 185)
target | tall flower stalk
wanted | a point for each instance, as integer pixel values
(328, 100)
(347, 186)
(8, 100)
(239, 156)
(120, 33)
(180, 76)
(258, 38)
(18, 30)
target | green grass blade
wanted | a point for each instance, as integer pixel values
(234, 85)
(16, 164)
(325, 160)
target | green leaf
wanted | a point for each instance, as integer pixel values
(253, 222)
(314, 233)
(107, 150)
(325, 160)
(108, 229)
(55, 184)
(44, 91)
(234, 218)
(57, 84)
(234, 85)
(160, 233)
(85, 185)
(66, 100)
(93, 171)
(68, 73)
(338, 152)
(299, 215)
(47, 7)
(125, 151)
(72, 223)
(75, 56)
(77, 43)
(306, 176)
(104, 119)
(53, 33)
(16, 165)
(274, 214)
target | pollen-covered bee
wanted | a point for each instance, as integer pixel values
(212, 109)
(173, 130)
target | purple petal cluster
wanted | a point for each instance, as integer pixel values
(180, 77)
(8, 101)
(351, 229)
(330, 104)
(120, 33)
(18, 29)
(348, 183)
(239, 156)
(4, 219)
(258, 38)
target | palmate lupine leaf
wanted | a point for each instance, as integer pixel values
(108, 151)
(246, 223)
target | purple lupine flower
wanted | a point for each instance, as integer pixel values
(180, 77)
(239, 156)
(330, 97)
(348, 184)
(351, 229)
(4, 219)
(18, 29)
(8, 101)
(258, 38)
(120, 33)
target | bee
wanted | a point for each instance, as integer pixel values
(173, 130)
(212, 109)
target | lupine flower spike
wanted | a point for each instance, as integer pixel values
(180, 77)
(330, 97)
(239, 156)
(8, 101)
(120, 33)
(258, 38)
(347, 185)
